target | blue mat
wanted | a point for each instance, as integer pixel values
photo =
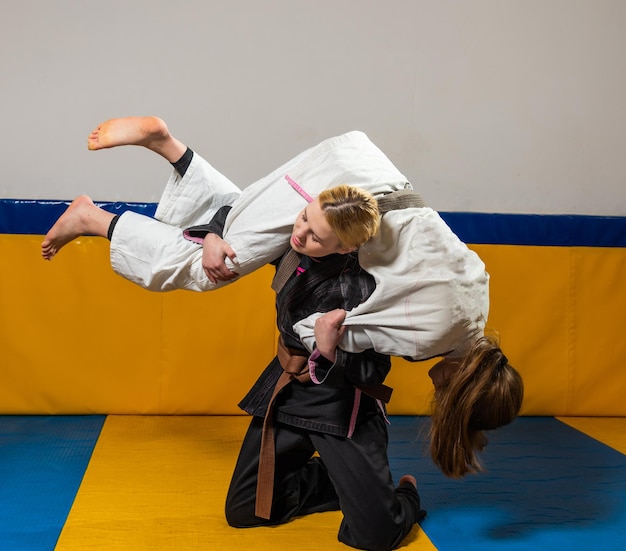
(548, 486)
(42, 462)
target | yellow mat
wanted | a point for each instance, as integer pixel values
(159, 482)
(608, 430)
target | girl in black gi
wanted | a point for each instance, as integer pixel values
(339, 419)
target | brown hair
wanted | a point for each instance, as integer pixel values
(484, 393)
(351, 212)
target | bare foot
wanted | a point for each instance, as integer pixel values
(82, 217)
(408, 478)
(127, 131)
(150, 132)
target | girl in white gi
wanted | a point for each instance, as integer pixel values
(447, 298)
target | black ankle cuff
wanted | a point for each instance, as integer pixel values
(112, 226)
(183, 163)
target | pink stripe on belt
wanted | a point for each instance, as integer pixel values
(298, 188)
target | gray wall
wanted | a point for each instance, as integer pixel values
(485, 105)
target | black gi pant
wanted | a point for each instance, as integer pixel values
(351, 474)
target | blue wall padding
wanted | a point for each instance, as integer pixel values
(36, 217)
(23, 216)
(548, 486)
(538, 229)
(42, 462)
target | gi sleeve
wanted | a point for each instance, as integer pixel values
(216, 226)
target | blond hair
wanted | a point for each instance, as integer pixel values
(352, 214)
(483, 394)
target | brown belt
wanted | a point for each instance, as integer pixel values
(295, 367)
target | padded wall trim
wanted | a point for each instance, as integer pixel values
(21, 216)
(24, 216)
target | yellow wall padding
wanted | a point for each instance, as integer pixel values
(561, 312)
(77, 338)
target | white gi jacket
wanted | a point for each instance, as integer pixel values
(431, 294)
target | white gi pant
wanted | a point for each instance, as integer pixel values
(155, 255)
(152, 252)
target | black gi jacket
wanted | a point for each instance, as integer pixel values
(335, 281)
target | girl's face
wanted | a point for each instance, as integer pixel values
(442, 371)
(312, 235)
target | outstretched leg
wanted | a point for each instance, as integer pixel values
(82, 217)
(149, 132)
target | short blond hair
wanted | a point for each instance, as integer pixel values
(352, 214)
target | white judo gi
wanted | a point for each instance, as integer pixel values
(431, 294)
